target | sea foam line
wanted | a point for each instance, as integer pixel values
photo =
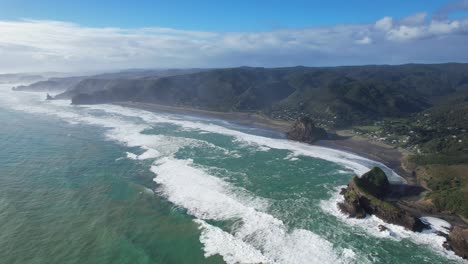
(356, 163)
(35, 104)
(258, 236)
(261, 235)
(259, 231)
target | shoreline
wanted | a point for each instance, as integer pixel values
(243, 118)
(406, 197)
(405, 194)
(391, 157)
(340, 140)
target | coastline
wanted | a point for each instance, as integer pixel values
(244, 118)
(340, 140)
(405, 197)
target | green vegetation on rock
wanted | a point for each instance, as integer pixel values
(374, 182)
(360, 199)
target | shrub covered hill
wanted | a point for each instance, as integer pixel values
(333, 97)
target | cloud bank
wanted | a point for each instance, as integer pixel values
(41, 45)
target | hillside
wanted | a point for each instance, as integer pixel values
(333, 97)
(70, 86)
(51, 85)
(438, 139)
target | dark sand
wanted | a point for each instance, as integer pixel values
(378, 151)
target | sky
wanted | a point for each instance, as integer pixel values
(107, 35)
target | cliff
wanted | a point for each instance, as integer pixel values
(457, 241)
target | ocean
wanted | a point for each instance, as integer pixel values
(108, 184)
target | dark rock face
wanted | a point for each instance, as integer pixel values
(364, 196)
(382, 228)
(304, 130)
(457, 241)
(48, 97)
(352, 205)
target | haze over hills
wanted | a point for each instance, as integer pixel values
(333, 96)
(70, 83)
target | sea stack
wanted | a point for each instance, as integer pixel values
(304, 130)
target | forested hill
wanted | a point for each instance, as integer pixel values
(333, 96)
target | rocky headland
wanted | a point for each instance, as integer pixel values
(366, 195)
(371, 194)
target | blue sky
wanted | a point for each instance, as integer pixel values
(106, 35)
(220, 16)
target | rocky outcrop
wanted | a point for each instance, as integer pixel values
(304, 130)
(48, 97)
(457, 241)
(365, 195)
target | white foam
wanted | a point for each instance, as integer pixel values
(28, 102)
(358, 164)
(348, 255)
(208, 197)
(258, 235)
(291, 156)
(132, 156)
(232, 249)
(437, 224)
(149, 154)
(370, 224)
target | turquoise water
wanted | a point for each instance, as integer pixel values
(105, 184)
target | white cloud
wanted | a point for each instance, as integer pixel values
(403, 33)
(40, 45)
(384, 24)
(434, 29)
(439, 27)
